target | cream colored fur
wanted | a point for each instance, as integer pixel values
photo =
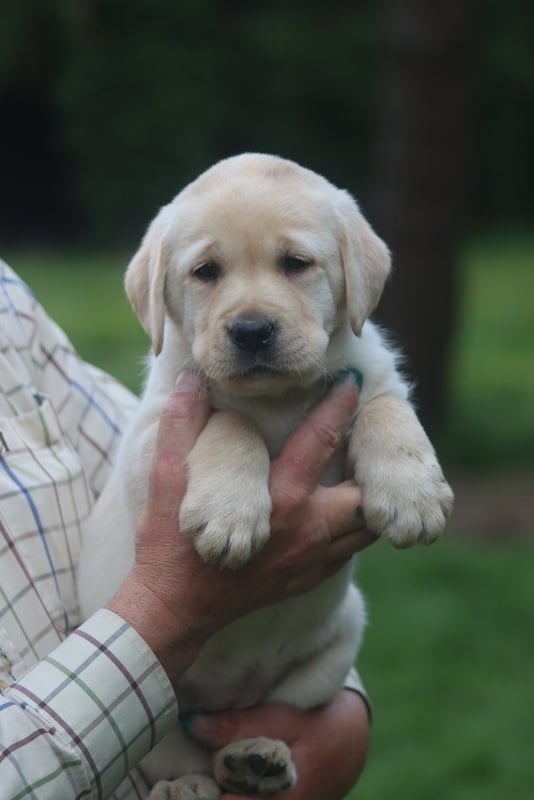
(251, 216)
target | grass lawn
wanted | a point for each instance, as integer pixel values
(449, 655)
(449, 662)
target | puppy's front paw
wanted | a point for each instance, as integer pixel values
(407, 498)
(228, 525)
(255, 766)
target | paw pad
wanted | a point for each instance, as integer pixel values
(255, 766)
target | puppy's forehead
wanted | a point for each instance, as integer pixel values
(255, 167)
(256, 194)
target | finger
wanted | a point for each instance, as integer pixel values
(183, 417)
(308, 450)
(333, 567)
(287, 794)
(239, 797)
(344, 547)
(339, 507)
(220, 728)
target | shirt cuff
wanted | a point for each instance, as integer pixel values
(106, 694)
(353, 682)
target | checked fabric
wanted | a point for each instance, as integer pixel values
(84, 704)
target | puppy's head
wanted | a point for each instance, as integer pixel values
(258, 263)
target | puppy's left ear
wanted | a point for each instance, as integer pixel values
(145, 280)
(366, 261)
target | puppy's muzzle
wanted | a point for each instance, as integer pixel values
(252, 335)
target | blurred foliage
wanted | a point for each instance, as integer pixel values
(503, 157)
(147, 95)
(491, 423)
(128, 100)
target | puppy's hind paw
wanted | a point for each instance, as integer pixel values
(188, 787)
(255, 766)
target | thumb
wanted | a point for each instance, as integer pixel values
(216, 730)
(183, 417)
(340, 507)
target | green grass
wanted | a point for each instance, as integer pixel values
(448, 660)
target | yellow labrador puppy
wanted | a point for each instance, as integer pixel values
(261, 275)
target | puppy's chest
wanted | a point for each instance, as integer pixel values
(276, 422)
(335, 470)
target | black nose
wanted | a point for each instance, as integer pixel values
(252, 334)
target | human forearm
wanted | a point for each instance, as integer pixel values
(175, 642)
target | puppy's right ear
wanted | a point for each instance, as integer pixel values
(145, 280)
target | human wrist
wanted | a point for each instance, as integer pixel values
(174, 641)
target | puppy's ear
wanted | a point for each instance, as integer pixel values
(145, 280)
(366, 262)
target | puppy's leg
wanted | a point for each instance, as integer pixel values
(405, 495)
(227, 507)
(178, 768)
(263, 766)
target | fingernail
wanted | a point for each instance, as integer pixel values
(188, 382)
(199, 726)
(187, 721)
(350, 373)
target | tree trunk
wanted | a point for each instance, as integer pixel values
(422, 183)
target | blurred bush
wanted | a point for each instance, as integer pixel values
(109, 106)
(144, 96)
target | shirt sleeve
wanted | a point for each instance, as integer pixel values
(81, 719)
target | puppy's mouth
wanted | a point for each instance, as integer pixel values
(257, 372)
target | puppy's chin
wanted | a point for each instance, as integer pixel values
(263, 381)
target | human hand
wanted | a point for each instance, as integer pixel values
(171, 597)
(328, 745)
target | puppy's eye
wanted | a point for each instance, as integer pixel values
(207, 272)
(295, 264)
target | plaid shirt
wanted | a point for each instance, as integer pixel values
(86, 703)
